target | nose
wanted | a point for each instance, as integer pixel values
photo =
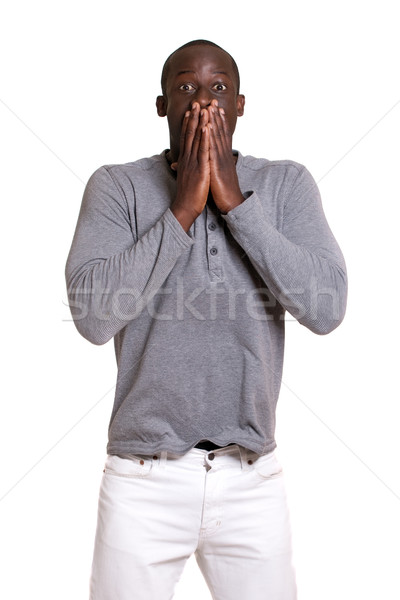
(203, 97)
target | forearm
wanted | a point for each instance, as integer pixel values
(106, 293)
(309, 282)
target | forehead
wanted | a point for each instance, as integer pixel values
(199, 59)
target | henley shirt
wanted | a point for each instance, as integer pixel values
(198, 318)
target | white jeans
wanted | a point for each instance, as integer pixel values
(227, 506)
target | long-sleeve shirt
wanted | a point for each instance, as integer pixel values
(198, 318)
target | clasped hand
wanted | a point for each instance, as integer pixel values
(206, 164)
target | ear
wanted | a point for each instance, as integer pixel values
(161, 104)
(240, 100)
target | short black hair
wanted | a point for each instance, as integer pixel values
(166, 67)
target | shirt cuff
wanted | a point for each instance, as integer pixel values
(179, 233)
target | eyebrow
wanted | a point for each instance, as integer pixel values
(218, 72)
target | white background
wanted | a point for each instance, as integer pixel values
(78, 86)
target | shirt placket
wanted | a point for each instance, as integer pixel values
(214, 233)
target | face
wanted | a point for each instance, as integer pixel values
(199, 74)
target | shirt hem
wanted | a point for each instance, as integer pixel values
(151, 450)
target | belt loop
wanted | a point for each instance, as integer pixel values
(163, 459)
(243, 457)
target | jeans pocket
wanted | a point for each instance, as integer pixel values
(268, 466)
(133, 467)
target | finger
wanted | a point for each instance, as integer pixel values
(214, 103)
(217, 145)
(205, 116)
(183, 133)
(203, 120)
(211, 112)
(220, 139)
(204, 146)
(215, 151)
(219, 119)
(191, 128)
(224, 125)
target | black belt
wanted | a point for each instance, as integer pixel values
(207, 445)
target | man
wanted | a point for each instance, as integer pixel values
(189, 259)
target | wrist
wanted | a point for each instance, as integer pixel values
(234, 201)
(183, 216)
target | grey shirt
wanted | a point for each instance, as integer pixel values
(198, 318)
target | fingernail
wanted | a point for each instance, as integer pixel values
(221, 110)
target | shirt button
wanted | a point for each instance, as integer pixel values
(213, 251)
(212, 226)
(211, 456)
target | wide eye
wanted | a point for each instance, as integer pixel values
(186, 87)
(219, 87)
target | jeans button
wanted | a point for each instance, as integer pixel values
(211, 456)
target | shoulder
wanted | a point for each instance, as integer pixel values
(136, 168)
(125, 177)
(264, 165)
(277, 177)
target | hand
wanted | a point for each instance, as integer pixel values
(193, 172)
(224, 182)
